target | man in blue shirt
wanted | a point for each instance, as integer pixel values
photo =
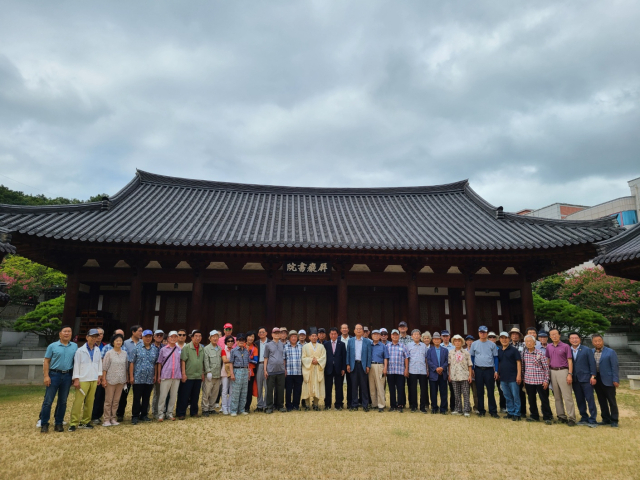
(58, 369)
(484, 355)
(418, 372)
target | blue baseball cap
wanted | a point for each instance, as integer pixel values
(482, 328)
(92, 332)
(444, 332)
(542, 333)
(469, 337)
(147, 332)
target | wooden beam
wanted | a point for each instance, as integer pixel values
(71, 301)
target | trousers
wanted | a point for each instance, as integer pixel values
(262, 385)
(141, 397)
(60, 384)
(168, 388)
(584, 396)
(210, 390)
(275, 391)
(606, 399)
(188, 396)
(562, 394)
(111, 400)
(83, 404)
(376, 386)
(543, 393)
(511, 391)
(335, 379)
(239, 389)
(359, 383)
(397, 395)
(439, 385)
(485, 378)
(461, 392)
(414, 380)
(293, 391)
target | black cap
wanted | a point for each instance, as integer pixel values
(402, 324)
(241, 337)
(322, 330)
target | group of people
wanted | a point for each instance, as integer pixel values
(294, 370)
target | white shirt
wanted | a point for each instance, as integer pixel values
(262, 345)
(344, 340)
(84, 368)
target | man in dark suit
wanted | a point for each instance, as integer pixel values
(334, 369)
(358, 364)
(584, 379)
(438, 364)
(607, 380)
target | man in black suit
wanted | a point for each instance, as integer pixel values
(334, 369)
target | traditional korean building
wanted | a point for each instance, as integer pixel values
(620, 256)
(172, 252)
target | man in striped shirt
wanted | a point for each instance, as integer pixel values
(398, 369)
(536, 380)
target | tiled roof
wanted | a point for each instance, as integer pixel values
(624, 247)
(5, 246)
(159, 210)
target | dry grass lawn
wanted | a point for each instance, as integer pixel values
(317, 445)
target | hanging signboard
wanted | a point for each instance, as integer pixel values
(310, 267)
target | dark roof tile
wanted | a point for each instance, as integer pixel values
(160, 210)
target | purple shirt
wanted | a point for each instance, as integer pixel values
(172, 368)
(558, 356)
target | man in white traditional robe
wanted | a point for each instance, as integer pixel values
(314, 359)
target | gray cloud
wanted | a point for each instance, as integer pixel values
(534, 103)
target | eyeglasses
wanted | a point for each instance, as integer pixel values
(228, 328)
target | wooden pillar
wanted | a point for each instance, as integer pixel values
(343, 301)
(504, 305)
(526, 294)
(195, 318)
(455, 311)
(271, 300)
(135, 298)
(413, 304)
(71, 300)
(470, 301)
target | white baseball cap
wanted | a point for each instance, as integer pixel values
(214, 332)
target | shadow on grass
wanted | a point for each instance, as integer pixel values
(19, 392)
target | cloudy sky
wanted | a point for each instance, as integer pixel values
(534, 102)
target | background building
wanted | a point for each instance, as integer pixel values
(625, 209)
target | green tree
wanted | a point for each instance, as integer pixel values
(616, 298)
(15, 197)
(568, 318)
(550, 287)
(44, 320)
(26, 279)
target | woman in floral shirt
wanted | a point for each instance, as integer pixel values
(460, 375)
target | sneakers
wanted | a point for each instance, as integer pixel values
(106, 424)
(114, 424)
(455, 413)
(225, 413)
(467, 414)
(86, 426)
(582, 423)
(38, 423)
(96, 421)
(72, 428)
(161, 418)
(245, 413)
(234, 414)
(171, 417)
(134, 421)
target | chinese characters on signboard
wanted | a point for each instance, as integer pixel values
(307, 266)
